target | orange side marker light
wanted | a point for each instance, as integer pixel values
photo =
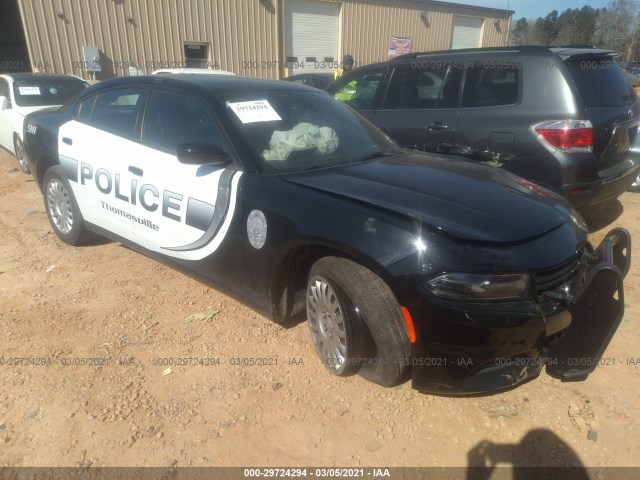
(409, 322)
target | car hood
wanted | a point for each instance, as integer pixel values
(465, 199)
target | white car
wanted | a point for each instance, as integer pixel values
(23, 93)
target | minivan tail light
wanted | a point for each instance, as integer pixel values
(566, 135)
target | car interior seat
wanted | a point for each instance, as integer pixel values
(408, 92)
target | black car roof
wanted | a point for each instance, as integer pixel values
(529, 49)
(535, 50)
(211, 83)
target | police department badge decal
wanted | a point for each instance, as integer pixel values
(257, 229)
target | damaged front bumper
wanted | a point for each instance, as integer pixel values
(596, 309)
(467, 350)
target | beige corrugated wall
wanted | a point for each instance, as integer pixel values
(241, 34)
(368, 24)
(244, 36)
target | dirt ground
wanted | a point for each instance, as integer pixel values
(105, 302)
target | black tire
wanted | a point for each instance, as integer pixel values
(19, 149)
(62, 208)
(376, 343)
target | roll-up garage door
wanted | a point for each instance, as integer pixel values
(466, 32)
(311, 35)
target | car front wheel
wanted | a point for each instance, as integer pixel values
(62, 208)
(22, 159)
(355, 322)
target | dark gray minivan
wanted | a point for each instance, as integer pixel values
(564, 118)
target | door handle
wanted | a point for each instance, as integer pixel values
(437, 126)
(135, 170)
(67, 140)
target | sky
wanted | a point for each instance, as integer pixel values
(533, 8)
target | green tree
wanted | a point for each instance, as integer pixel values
(520, 33)
(547, 29)
(577, 26)
(615, 27)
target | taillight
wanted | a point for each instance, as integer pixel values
(566, 135)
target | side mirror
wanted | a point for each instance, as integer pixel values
(4, 103)
(197, 153)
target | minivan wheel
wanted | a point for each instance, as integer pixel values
(355, 322)
(62, 208)
(22, 159)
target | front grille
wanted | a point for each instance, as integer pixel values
(557, 276)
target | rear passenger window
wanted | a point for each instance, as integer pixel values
(491, 86)
(115, 111)
(85, 109)
(424, 88)
(173, 118)
(592, 73)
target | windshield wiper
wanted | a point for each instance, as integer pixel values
(369, 156)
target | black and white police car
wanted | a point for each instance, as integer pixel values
(464, 277)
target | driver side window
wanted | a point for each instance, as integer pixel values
(360, 90)
(116, 110)
(173, 118)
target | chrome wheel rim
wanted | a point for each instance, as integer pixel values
(60, 208)
(325, 316)
(20, 156)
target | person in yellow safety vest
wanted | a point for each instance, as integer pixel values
(347, 65)
(347, 92)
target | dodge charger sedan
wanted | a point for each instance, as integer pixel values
(462, 277)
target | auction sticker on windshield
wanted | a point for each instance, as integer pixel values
(254, 111)
(29, 90)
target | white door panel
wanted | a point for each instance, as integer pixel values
(6, 117)
(185, 210)
(96, 163)
(6, 129)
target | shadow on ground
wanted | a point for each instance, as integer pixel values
(540, 455)
(601, 216)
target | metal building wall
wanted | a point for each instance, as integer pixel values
(368, 24)
(242, 34)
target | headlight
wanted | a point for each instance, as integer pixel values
(470, 287)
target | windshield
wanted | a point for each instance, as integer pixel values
(46, 91)
(291, 131)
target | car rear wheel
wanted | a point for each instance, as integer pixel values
(62, 208)
(355, 322)
(22, 160)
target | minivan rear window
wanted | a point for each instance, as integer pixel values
(601, 82)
